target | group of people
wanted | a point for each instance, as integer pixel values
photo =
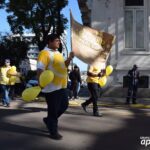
(55, 93)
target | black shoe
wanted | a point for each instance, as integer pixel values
(134, 102)
(56, 136)
(8, 105)
(84, 107)
(97, 114)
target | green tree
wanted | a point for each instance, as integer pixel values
(13, 48)
(38, 16)
(2, 2)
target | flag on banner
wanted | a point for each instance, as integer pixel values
(89, 45)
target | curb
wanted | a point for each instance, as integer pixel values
(77, 103)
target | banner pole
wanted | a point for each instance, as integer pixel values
(71, 36)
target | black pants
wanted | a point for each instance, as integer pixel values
(12, 92)
(18, 89)
(94, 92)
(57, 103)
(132, 92)
(73, 89)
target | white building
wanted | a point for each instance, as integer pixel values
(129, 21)
(33, 48)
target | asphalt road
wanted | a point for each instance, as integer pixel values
(120, 128)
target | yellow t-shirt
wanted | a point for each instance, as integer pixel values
(3, 75)
(93, 70)
(18, 80)
(54, 61)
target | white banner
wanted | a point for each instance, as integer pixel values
(89, 45)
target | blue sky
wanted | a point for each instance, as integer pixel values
(73, 6)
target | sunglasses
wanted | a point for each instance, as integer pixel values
(7, 62)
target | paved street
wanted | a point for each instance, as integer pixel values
(120, 128)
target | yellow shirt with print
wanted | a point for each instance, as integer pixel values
(57, 66)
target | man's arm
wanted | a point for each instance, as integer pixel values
(129, 73)
(39, 71)
(92, 74)
(67, 62)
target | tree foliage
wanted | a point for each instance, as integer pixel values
(38, 16)
(13, 48)
(2, 2)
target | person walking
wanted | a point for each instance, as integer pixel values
(4, 82)
(55, 92)
(18, 88)
(93, 86)
(75, 78)
(133, 75)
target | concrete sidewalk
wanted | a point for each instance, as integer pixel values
(113, 102)
(116, 95)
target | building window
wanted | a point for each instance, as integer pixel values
(134, 2)
(134, 25)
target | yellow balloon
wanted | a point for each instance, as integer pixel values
(12, 70)
(12, 80)
(102, 81)
(8, 73)
(46, 77)
(31, 93)
(109, 70)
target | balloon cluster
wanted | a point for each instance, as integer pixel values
(11, 75)
(103, 79)
(31, 93)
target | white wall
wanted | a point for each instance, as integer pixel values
(108, 15)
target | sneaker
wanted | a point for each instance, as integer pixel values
(56, 136)
(134, 102)
(97, 114)
(84, 107)
(5, 105)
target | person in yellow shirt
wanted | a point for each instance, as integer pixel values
(18, 84)
(93, 86)
(4, 81)
(55, 92)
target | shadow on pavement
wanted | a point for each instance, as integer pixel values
(128, 138)
(125, 138)
(8, 126)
